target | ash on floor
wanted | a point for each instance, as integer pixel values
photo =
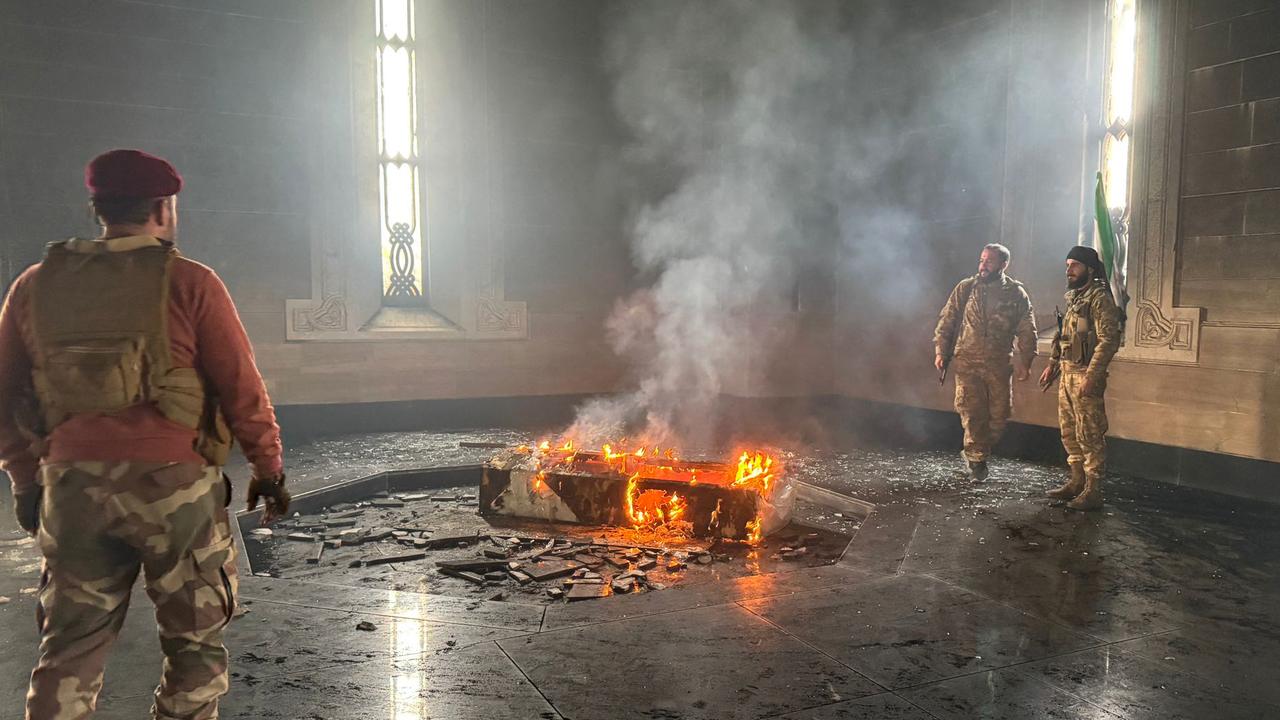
(437, 543)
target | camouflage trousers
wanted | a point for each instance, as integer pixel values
(1083, 421)
(984, 400)
(100, 524)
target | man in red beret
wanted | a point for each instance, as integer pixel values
(124, 375)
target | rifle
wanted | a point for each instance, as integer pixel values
(942, 374)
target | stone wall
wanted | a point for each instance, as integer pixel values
(256, 102)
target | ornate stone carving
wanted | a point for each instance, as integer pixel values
(330, 315)
(501, 317)
(1157, 331)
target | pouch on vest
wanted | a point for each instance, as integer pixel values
(90, 376)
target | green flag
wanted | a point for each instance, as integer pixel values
(1106, 234)
(1111, 250)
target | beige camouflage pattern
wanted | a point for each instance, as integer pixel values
(978, 331)
(984, 400)
(100, 524)
(981, 321)
(1092, 322)
(1083, 421)
(1090, 327)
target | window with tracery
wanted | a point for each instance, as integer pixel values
(399, 171)
(1117, 109)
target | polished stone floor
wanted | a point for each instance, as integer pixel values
(954, 600)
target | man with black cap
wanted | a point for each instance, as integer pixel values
(1082, 352)
(124, 374)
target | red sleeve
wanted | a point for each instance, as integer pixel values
(225, 357)
(16, 455)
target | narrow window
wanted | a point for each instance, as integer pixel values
(1117, 110)
(403, 250)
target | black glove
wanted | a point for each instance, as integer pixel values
(275, 499)
(26, 507)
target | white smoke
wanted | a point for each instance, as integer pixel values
(756, 116)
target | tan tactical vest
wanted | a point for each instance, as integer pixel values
(99, 317)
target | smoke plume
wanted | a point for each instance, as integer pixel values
(766, 143)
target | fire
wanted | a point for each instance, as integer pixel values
(754, 470)
(649, 507)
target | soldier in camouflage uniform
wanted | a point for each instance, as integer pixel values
(976, 333)
(1082, 352)
(124, 374)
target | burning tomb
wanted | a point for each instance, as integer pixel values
(642, 488)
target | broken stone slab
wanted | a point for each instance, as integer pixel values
(472, 565)
(497, 597)
(587, 591)
(550, 569)
(413, 497)
(470, 577)
(344, 515)
(555, 593)
(301, 537)
(339, 522)
(379, 534)
(261, 532)
(495, 554)
(444, 498)
(520, 577)
(647, 564)
(397, 558)
(319, 553)
(622, 586)
(366, 626)
(616, 560)
(454, 541)
(387, 503)
(675, 566)
(495, 576)
(588, 559)
(704, 559)
(583, 581)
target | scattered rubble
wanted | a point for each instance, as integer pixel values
(499, 564)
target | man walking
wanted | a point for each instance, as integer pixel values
(976, 334)
(119, 360)
(1082, 352)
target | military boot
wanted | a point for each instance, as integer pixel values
(1091, 497)
(978, 470)
(1072, 487)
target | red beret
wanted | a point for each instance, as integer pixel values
(119, 174)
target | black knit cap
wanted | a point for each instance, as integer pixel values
(1088, 257)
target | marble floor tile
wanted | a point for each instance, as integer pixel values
(1131, 686)
(719, 662)
(885, 706)
(683, 597)
(1001, 695)
(378, 601)
(914, 630)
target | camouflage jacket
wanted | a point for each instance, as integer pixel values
(1090, 330)
(981, 320)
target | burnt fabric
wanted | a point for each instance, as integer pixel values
(100, 524)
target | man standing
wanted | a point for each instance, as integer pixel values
(119, 360)
(976, 333)
(1082, 352)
